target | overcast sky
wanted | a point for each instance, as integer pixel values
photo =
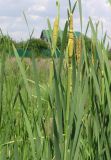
(37, 12)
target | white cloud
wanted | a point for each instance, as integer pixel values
(37, 11)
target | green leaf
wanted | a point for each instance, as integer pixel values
(56, 140)
(80, 12)
(28, 126)
(64, 37)
(81, 105)
(73, 9)
(110, 1)
(69, 5)
(21, 69)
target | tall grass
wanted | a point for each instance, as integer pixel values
(67, 118)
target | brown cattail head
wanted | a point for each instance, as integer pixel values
(55, 32)
(71, 37)
(78, 49)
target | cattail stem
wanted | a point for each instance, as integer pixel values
(70, 54)
(69, 79)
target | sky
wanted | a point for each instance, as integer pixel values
(12, 21)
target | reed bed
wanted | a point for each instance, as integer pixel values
(66, 118)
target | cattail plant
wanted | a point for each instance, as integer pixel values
(67, 121)
(70, 54)
(69, 77)
(54, 43)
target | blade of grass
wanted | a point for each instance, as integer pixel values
(28, 126)
(22, 70)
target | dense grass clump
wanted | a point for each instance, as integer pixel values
(59, 112)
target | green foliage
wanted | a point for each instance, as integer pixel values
(110, 1)
(6, 44)
(88, 44)
(37, 44)
(35, 121)
(33, 45)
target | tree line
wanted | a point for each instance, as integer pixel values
(38, 46)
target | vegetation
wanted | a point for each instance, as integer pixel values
(31, 45)
(40, 47)
(64, 115)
